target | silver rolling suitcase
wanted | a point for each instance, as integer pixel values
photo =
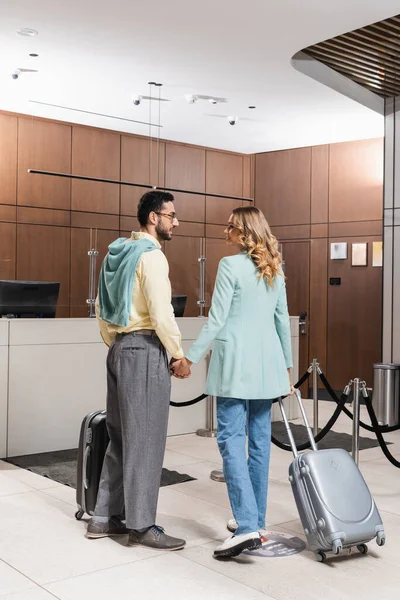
(335, 505)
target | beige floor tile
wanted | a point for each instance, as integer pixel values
(300, 577)
(167, 576)
(195, 446)
(194, 520)
(41, 538)
(9, 486)
(26, 477)
(37, 593)
(12, 581)
(64, 493)
(177, 459)
(205, 488)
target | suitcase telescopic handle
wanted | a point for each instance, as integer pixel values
(305, 419)
(85, 460)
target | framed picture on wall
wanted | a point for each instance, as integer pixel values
(338, 250)
(359, 255)
(377, 254)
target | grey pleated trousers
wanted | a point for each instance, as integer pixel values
(138, 395)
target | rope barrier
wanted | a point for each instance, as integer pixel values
(331, 392)
(199, 398)
(321, 434)
(377, 430)
(189, 402)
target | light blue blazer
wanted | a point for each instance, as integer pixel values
(250, 327)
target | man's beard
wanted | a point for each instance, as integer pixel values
(163, 233)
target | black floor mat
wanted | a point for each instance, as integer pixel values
(60, 466)
(332, 439)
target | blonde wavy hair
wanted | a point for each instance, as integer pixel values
(256, 239)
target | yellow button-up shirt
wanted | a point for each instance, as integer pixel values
(151, 302)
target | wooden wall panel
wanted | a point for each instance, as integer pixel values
(248, 175)
(128, 223)
(354, 318)
(8, 213)
(319, 184)
(7, 250)
(224, 173)
(283, 186)
(297, 271)
(218, 210)
(94, 220)
(8, 159)
(355, 181)
(46, 146)
(184, 272)
(190, 207)
(185, 167)
(80, 245)
(189, 229)
(43, 216)
(136, 161)
(215, 231)
(319, 230)
(292, 232)
(215, 250)
(318, 300)
(95, 153)
(44, 255)
(355, 228)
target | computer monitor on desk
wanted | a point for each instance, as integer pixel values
(27, 299)
(179, 305)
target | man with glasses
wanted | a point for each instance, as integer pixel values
(137, 323)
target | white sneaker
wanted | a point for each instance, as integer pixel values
(232, 527)
(234, 545)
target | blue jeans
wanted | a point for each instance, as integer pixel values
(246, 478)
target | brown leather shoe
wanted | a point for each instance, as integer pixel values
(156, 538)
(113, 526)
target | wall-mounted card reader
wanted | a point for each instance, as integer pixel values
(335, 281)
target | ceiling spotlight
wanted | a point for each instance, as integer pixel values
(26, 32)
(233, 120)
(33, 54)
(17, 72)
(213, 101)
(251, 106)
(191, 98)
(137, 100)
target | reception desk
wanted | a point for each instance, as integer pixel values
(52, 373)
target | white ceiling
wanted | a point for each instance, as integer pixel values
(95, 55)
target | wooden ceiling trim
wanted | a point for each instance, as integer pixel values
(368, 56)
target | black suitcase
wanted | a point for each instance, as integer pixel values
(93, 442)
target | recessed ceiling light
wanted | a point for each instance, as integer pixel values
(26, 32)
(34, 55)
(251, 106)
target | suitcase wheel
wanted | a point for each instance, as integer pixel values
(381, 539)
(363, 548)
(320, 556)
(79, 514)
(337, 546)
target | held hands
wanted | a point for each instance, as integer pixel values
(180, 368)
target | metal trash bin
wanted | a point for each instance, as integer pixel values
(386, 393)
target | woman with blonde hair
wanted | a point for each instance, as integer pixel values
(250, 366)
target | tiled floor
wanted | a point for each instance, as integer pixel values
(44, 554)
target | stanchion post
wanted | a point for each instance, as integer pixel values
(210, 430)
(202, 262)
(355, 446)
(93, 254)
(315, 368)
